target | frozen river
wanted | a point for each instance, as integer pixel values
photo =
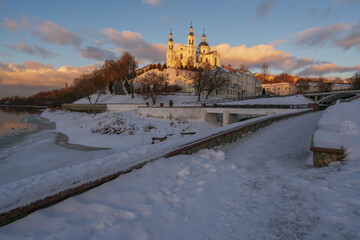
(31, 146)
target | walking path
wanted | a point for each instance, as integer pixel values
(261, 187)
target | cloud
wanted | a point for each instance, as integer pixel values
(319, 36)
(277, 42)
(264, 8)
(320, 70)
(31, 73)
(36, 51)
(96, 53)
(254, 57)
(151, 2)
(344, 35)
(15, 25)
(135, 44)
(53, 33)
(351, 39)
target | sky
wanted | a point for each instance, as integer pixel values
(46, 44)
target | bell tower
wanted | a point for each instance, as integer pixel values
(191, 36)
(170, 52)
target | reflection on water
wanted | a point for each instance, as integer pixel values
(11, 120)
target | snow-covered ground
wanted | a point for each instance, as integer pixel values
(258, 188)
(120, 130)
(339, 127)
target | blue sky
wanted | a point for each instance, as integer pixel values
(45, 44)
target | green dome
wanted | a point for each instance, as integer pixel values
(205, 44)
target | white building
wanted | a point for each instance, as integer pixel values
(242, 85)
(283, 88)
(189, 54)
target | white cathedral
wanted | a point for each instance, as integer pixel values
(188, 54)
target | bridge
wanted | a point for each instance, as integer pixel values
(331, 96)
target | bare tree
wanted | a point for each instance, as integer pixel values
(303, 85)
(206, 80)
(264, 72)
(199, 79)
(84, 86)
(355, 80)
(243, 68)
(100, 82)
(154, 83)
(215, 80)
(323, 86)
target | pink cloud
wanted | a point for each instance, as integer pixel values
(33, 73)
(135, 44)
(151, 2)
(96, 53)
(319, 36)
(53, 33)
(257, 55)
(351, 39)
(319, 70)
(16, 25)
(36, 50)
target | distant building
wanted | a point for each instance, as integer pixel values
(280, 89)
(188, 53)
(242, 85)
(246, 83)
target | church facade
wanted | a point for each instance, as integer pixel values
(189, 54)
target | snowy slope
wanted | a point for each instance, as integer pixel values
(340, 126)
(257, 188)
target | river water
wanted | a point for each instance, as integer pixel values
(11, 120)
(30, 145)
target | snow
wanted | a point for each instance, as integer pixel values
(129, 130)
(258, 188)
(53, 182)
(289, 100)
(339, 127)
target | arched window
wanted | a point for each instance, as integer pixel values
(215, 61)
(181, 56)
(206, 60)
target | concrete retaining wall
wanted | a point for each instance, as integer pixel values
(121, 107)
(177, 113)
(96, 108)
(90, 108)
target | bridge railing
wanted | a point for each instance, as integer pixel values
(222, 100)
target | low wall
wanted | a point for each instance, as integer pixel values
(121, 107)
(225, 136)
(90, 108)
(177, 113)
(325, 156)
(96, 108)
